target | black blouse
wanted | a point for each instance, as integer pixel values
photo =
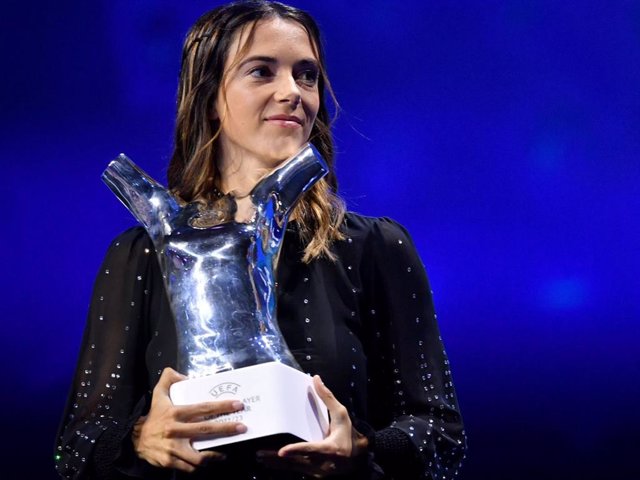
(365, 323)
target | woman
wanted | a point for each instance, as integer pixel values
(354, 302)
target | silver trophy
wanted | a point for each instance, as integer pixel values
(220, 277)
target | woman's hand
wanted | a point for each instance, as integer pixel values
(163, 437)
(336, 454)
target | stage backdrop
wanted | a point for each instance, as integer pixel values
(504, 134)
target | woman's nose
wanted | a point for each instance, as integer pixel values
(288, 91)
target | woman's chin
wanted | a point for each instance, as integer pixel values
(280, 155)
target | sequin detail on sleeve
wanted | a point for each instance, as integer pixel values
(411, 371)
(107, 383)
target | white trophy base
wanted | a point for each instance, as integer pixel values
(277, 399)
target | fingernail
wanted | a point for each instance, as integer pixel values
(241, 428)
(237, 405)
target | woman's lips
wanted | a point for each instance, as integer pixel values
(285, 121)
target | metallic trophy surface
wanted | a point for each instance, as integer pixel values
(220, 277)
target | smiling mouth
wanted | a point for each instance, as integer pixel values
(285, 121)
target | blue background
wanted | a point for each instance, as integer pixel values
(504, 134)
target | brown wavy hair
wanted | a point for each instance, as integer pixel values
(193, 170)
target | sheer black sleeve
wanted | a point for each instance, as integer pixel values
(109, 387)
(412, 398)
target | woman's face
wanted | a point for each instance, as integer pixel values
(269, 99)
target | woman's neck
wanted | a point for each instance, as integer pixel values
(238, 177)
(239, 183)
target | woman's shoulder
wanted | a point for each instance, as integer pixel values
(131, 236)
(379, 243)
(378, 229)
(129, 244)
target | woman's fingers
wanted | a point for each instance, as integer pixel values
(337, 412)
(168, 377)
(324, 447)
(324, 393)
(164, 436)
(204, 429)
(199, 411)
(180, 464)
(337, 442)
(182, 460)
(192, 421)
(180, 454)
(187, 454)
(213, 456)
(195, 420)
(337, 448)
(317, 466)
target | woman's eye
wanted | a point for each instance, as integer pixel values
(260, 72)
(308, 77)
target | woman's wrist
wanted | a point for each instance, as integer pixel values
(361, 444)
(364, 436)
(136, 433)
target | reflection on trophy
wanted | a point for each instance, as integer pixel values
(220, 277)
